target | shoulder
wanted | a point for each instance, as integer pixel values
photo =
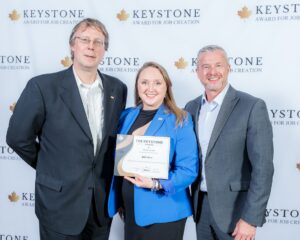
(46, 82)
(171, 119)
(128, 110)
(188, 121)
(248, 99)
(245, 96)
(44, 77)
(249, 103)
(113, 80)
(193, 103)
(49, 78)
(125, 113)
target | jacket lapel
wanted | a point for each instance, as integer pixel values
(228, 104)
(196, 110)
(71, 97)
(157, 121)
(108, 103)
(129, 120)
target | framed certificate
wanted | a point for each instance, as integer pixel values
(147, 156)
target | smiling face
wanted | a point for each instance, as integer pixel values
(87, 55)
(212, 70)
(151, 88)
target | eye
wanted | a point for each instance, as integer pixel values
(99, 43)
(85, 40)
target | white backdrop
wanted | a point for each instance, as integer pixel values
(261, 37)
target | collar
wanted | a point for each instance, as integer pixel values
(96, 83)
(162, 110)
(218, 100)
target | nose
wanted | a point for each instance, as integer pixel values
(91, 44)
(151, 86)
(212, 71)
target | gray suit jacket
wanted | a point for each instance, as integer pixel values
(67, 172)
(239, 162)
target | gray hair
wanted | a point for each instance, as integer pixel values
(89, 22)
(212, 48)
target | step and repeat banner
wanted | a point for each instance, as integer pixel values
(262, 40)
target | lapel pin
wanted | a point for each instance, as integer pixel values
(112, 97)
(160, 118)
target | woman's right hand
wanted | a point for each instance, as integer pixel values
(140, 181)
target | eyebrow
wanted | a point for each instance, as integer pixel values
(83, 36)
(211, 63)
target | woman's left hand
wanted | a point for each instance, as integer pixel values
(141, 181)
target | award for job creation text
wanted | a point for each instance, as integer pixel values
(147, 156)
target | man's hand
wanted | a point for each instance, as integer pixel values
(244, 231)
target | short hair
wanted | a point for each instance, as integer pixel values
(212, 48)
(89, 22)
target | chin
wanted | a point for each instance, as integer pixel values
(214, 87)
(91, 66)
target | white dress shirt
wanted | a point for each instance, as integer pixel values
(92, 99)
(207, 118)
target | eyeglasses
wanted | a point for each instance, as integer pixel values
(86, 41)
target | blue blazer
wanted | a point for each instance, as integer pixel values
(174, 202)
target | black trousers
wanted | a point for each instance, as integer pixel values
(158, 231)
(91, 231)
(206, 227)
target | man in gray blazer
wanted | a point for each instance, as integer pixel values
(236, 154)
(64, 126)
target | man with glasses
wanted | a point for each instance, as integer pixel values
(64, 126)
